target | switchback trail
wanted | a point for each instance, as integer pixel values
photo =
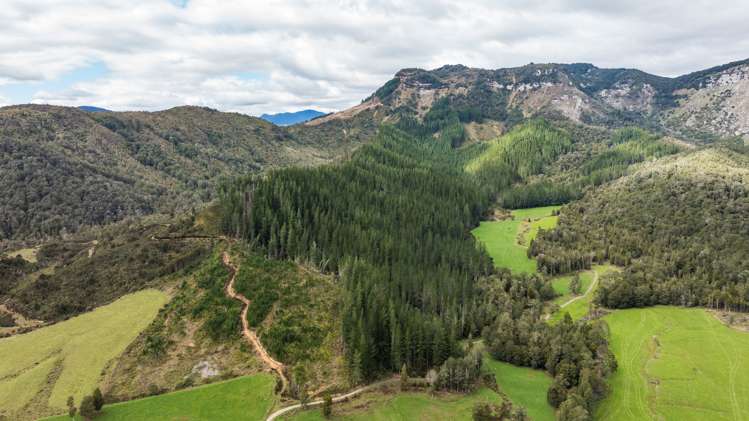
(246, 331)
(339, 398)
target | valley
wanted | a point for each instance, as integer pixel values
(463, 244)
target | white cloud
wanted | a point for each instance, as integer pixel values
(330, 54)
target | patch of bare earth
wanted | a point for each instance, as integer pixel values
(738, 321)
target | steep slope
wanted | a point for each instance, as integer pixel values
(64, 168)
(712, 103)
(706, 104)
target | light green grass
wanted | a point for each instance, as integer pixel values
(676, 364)
(546, 223)
(82, 346)
(247, 398)
(561, 285)
(525, 387)
(28, 254)
(501, 237)
(405, 406)
(580, 307)
(534, 213)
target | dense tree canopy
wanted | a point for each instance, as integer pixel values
(681, 226)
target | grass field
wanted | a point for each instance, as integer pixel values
(248, 398)
(28, 254)
(51, 363)
(501, 237)
(561, 285)
(547, 223)
(676, 364)
(404, 406)
(525, 387)
(579, 308)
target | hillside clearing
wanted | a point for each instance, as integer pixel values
(507, 241)
(578, 306)
(676, 364)
(28, 254)
(67, 358)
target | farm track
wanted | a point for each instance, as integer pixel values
(335, 399)
(248, 333)
(590, 289)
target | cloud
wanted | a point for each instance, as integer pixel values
(330, 54)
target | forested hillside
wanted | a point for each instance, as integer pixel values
(393, 222)
(63, 168)
(93, 268)
(680, 225)
(395, 226)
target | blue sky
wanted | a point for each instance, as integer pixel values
(19, 93)
(285, 55)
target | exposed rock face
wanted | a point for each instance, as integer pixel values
(720, 105)
(629, 97)
(709, 103)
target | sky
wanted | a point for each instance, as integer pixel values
(257, 56)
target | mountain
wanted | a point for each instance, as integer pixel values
(65, 168)
(287, 119)
(700, 106)
(93, 109)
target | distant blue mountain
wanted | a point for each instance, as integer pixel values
(287, 119)
(93, 109)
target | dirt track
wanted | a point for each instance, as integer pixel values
(335, 399)
(246, 331)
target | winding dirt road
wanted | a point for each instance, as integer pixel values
(246, 331)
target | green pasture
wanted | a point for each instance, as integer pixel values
(525, 387)
(67, 358)
(676, 364)
(507, 241)
(247, 398)
(407, 406)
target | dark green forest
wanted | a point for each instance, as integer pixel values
(393, 222)
(681, 229)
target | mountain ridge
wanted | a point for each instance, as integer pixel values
(289, 118)
(701, 105)
(66, 168)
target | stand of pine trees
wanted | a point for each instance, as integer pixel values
(393, 222)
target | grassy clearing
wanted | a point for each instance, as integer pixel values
(80, 347)
(546, 223)
(579, 308)
(404, 406)
(28, 254)
(561, 286)
(245, 398)
(525, 387)
(676, 364)
(507, 241)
